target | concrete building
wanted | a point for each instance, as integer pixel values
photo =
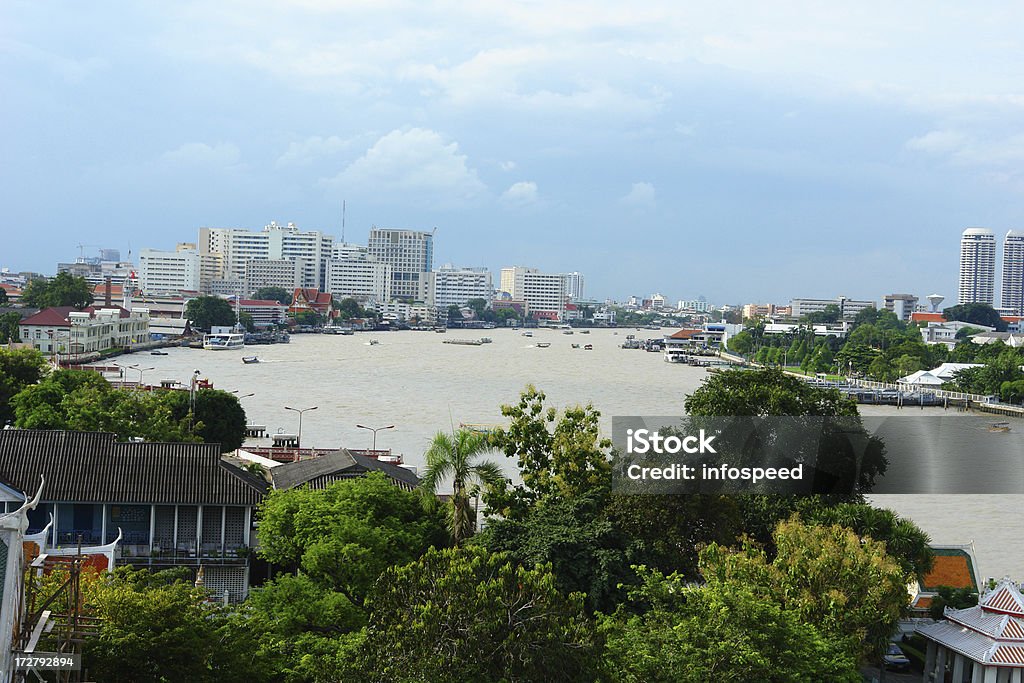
(234, 247)
(169, 272)
(64, 330)
(264, 312)
(1013, 273)
(410, 254)
(977, 267)
(284, 273)
(903, 305)
(396, 311)
(574, 285)
(754, 311)
(354, 274)
(849, 308)
(544, 293)
(451, 286)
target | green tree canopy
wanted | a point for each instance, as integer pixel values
(979, 314)
(278, 294)
(465, 615)
(210, 311)
(219, 416)
(457, 456)
(63, 290)
(765, 392)
(19, 368)
(343, 537)
(9, 330)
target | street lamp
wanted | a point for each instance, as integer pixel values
(141, 370)
(375, 430)
(298, 440)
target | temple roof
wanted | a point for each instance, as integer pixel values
(323, 470)
(992, 632)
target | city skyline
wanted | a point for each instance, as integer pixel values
(697, 151)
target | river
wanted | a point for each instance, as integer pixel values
(418, 384)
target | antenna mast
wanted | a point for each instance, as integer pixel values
(342, 221)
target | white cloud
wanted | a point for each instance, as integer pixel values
(522, 193)
(304, 152)
(641, 195)
(971, 150)
(414, 164)
(937, 142)
(221, 154)
(508, 166)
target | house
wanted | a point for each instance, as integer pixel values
(321, 471)
(68, 330)
(171, 504)
(312, 299)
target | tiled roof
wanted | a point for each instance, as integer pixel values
(57, 316)
(1005, 598)
(322, 470)
(91, 467)
(685, 334)
(953, 568)
(992, 632)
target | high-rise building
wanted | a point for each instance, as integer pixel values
(451, 286)
(237, 246)
(574, 285)
(410, 254)
(169, 272)
(544, 293)
(1013, 272)
(354, 274)
(977, 267)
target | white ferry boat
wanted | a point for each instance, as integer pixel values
(221, 341)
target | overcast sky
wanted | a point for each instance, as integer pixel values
(743, 151)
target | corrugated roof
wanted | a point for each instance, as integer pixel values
(320, 471)
(91, 467)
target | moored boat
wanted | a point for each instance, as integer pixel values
(223, 342)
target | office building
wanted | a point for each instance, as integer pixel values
(903, 305)
(574, 285)
(451, 286)
(410, 254)
(235, 247)
(977, 267)
(169, 272)
(354, 274)
(848, 308)
(544, 293)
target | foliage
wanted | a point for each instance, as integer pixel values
(830, 314)
(218, 418)
(566, 460)
(741, 343)
(63, 290)
(344, 536)
(465, 615)
(245, 319)
(19, 368)
(765, 392)
(979, 314)
(723, 631)
(310, 318)
(457, 456)
(278, 294)
(954, 598)
(990, 377)
(157, 630)
(9, 330)
(828, 575)
(349, 308)
(3, 297)
(210, 311)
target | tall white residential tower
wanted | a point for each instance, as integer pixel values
(977, 267)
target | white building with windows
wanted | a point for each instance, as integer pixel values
(284, 273)
(1013, 273)
(359, 276)
(235, 247)
(410, 253)
(849, 308)
(574, 285)
(65, 330)
(169, 272)
(544, 293)
(977, 267)
(451, 286)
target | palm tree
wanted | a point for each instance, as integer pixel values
(457, 456)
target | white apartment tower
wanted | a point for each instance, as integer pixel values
(544, 293)
(410, 254)
(451, 286)
(977, 267)
(169, 272)
(1013, 272)
(574, 285)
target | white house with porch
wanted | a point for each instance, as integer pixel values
(980, 644)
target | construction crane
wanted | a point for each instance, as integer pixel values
(81, 251)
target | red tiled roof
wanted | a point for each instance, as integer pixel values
(259, 302)
(58, 315)
(951, 568)
(922, 317)
(685, 334)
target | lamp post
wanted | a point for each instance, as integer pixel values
(298, 439)
(141, 370)
(375, 430)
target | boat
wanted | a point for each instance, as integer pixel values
(566, 331)
(223, 342)
(486, 340)
(584, 331)
(249, 360)
(999, 427)
(158, 353)
(543, 345)
(441, 330)
(527, 334)
(575, 346)
(588, 347)
(464, 342)
(372, 342)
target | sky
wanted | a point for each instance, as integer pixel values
(746, 152)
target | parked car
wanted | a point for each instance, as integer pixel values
(895, 659)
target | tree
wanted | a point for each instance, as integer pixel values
(722, 631)
(349, 308)
(310, 318)
(63, 290)
(344, 536)
(457, 456)
(977, 313)
(479, 307)
(218, 416)
(245, 319)
(278, 294)
(9, 330)
(19, 368)
(3, 297)
(210, 311)
(954, 598)
(454, 314)
(741, 343)
(830, 314)
(765, 392)
(466, 615)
